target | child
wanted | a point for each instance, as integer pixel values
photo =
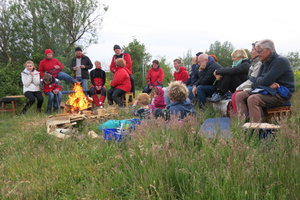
(98, 79)
(158, 101)
(144, 111)
(31, 86)
(52, 89)
(178, 93)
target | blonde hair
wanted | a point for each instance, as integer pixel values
(239, 53)
(144, 99)
(120, 62)
(178, 91)
(29, 62)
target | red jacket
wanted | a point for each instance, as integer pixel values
(121, 80)
(127, 59)
(52, 86)
(48, 66)
(155, 77)
(181, 75)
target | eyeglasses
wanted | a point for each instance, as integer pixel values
(259, 51)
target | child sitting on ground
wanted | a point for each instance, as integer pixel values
(52, 89)
(98, 85)
(158, 102)
(144, 110)
(181, 106)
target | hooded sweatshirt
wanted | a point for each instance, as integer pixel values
(121, 79)
(182, 109)
(159, 101)
(181, 75)
(30, 83)
(155, 77)
(47, 65)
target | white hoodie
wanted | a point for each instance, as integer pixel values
(30, 83)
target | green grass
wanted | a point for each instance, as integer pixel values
(159, 161)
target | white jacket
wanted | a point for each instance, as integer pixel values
(30, 83)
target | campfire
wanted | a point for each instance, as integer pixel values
(77, 101)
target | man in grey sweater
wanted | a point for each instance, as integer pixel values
(275, 73)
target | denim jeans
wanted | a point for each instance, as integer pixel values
(84, 82)
(66, 77)
(53, 100)
(204, 91)
(191, 95)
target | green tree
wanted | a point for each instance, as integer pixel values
(140, 58)
(187, 60)
(222, 51)
(167, 71)
(294, 58)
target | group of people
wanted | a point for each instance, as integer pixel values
(264, 80)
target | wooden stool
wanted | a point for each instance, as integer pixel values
(128, 98)
(5, 101)
(278, 113)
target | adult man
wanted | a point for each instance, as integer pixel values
(204, 87)
(54, 67)
(81, 64)
(275, 76)
(128, 65)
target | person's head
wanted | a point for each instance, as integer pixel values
(178, 92)
(202, 61)
(98, 64)
(117, 49)
(155, 64)
(238, 54)
(143, 99)
(47, 78)
(198, 54)
(253, 52)
(265, 48)
(154, 92)
(214, 57)
(48, 54)
(78, 52)
(120, 62)
(177, 64)
(29, 65)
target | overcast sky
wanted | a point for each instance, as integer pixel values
(170, 28)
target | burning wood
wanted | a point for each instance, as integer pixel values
(77, 101)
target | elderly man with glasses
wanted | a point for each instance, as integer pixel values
(273, 86)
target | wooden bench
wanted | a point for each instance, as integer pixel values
(9, 100)
(128, 98)
(277, 113)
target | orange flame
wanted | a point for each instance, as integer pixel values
(78, 100)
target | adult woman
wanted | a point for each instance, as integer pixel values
(155, 77)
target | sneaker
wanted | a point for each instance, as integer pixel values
(216, 97)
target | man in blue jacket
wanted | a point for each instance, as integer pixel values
(275, 73)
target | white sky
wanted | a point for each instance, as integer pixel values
(170, 28)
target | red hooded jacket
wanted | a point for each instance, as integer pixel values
(181, 75)
(126, 57)
(121, 79)
(51, 86)
(155, 77)
(48, 66)
(159, 101)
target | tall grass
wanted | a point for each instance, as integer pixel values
(159, 161)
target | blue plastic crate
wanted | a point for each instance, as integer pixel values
(108, 133)
(135, 122)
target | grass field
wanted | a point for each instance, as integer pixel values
(159, 161)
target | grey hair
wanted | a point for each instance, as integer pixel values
(266, 44)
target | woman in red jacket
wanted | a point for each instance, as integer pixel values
(120, 83)
(154, 77)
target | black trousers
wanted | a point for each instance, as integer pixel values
(94, 91)
(115, 95)
(229, 83)
(31, 99)
(132, 85)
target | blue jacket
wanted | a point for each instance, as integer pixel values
(182, 109)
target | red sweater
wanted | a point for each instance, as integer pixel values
(48, 66)
(50, 87)
(181, 75)
(155, 77)
(127, 59)
(121, 80)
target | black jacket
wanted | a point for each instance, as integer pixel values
(84, 61)
(98, 73)
(206, 76)
(241, 70)
(192, 78)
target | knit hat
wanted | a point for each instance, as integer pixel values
(78, 49)
(199, 53)
(47, 77)
(117, 47)
(48, 51)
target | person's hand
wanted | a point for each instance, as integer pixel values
(218, 77)
(274, 85)
(82, 66)
(202, 67)
(32, 73)
(57, 67)
(150, 87)
(55, 91)
(74, 68)
(194, 91)
(135, 103)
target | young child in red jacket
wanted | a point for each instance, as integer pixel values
(52, 89)
(98, 78)
(120, 84)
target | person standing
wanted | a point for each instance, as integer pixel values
(81, 64)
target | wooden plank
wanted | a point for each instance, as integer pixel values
(16, 96)
(260, 126)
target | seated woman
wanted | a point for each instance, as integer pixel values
(120, 84)
(155, 77)
(229, 78)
